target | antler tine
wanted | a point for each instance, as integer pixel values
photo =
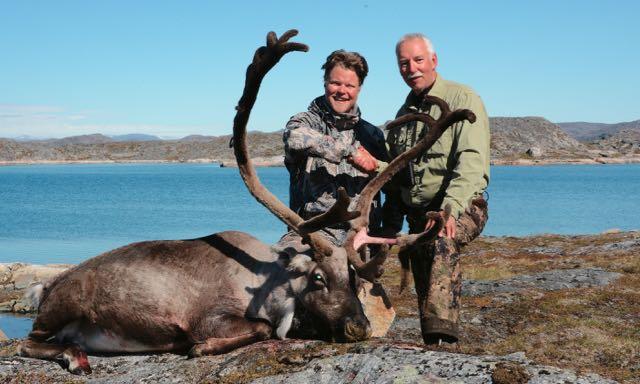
(428, 120)
(358, 226)
(338, 213)
(265, 58)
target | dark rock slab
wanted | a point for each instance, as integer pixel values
(297, 361)
(547, 281)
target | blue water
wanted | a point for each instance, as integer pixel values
(68, 213)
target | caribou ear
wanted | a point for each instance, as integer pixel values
(289, 248)
(300, 264)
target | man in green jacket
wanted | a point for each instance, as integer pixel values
(451, 178)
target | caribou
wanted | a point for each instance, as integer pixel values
(213, 294)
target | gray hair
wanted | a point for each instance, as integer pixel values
(417, 35)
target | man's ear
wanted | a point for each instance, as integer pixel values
(434, 58)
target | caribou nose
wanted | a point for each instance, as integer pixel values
(357, 329)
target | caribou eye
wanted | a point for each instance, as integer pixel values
(318, 279)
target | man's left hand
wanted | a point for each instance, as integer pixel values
(449, 228)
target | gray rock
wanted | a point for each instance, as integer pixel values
(534, 152)
(625, 245)
(376, 361)
(15, 278)
(548, 281)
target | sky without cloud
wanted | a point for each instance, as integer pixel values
(177, 68)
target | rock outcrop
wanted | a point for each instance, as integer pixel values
(299, 361)
(15, 278)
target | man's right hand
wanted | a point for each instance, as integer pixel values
(363, 160)
(449, 227)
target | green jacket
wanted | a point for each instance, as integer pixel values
(456, 168)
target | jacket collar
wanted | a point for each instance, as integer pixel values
(340, 121)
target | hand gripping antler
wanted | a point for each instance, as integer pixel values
(264, 59)
(357, 235)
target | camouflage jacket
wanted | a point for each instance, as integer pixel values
(317, 144)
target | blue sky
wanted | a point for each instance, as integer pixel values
(174, 68)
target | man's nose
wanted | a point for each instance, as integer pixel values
(412, 67)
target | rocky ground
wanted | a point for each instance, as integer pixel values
(543, 309)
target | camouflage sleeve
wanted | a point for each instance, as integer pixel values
(300, 137)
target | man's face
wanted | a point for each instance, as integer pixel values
(417, 65)
(341, 88)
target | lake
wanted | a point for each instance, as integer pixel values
(68, 213)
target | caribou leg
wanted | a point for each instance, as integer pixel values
(241, 332)
(69, 356)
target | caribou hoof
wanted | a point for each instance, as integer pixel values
(75, 360)
(195, 351)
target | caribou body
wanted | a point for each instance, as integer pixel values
(213, 294)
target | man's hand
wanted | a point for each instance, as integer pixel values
(363, 160)
(449, 228)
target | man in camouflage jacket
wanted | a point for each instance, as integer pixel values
(322, 143)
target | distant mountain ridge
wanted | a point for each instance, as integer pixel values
(135, 137)
(513, 140)
(583, 131)
(98, 147)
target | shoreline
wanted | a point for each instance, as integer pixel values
(634, 159)
(277, 161)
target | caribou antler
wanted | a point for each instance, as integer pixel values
(357, 235)
(263, 60)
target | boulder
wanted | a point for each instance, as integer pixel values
(534, 152)
(15, 278)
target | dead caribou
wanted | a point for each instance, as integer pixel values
(217, 293)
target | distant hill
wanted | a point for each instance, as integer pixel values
(103, 148)
(134, 137)
(513, 139)
(537, 136)
(587, 132)
(95, 138)
(197, 138)
(625, 142)
(26, 138)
